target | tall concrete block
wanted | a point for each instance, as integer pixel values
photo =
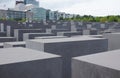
(27, 36)
(8, 31)
(53, 27)
(113, 40)
(101, 65)
(14, 44)
(18, 33)
(73, 28)
(1, 27)
(7, 39)
(69, 47)
(27, 63)
(102, 25)
(89, 26)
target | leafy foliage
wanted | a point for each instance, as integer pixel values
(89, 18)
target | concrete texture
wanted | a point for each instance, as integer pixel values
(14, 44)
(69, 47)
(101, 65)
(113, 40)
(28, 36)
(18, 33)
(7, 39)
(27, 63)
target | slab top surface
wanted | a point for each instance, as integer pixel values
(17, 55)
(80, 38)
(108, 59)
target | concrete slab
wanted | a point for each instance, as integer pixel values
(1, 45)
(14, 44)
(27, 36)
(113, 40)
(27, 63)
(101, 65)
(90, 32)
(2, 34)
(18, 33)
(7, 39)
(69, 34)
(69, 47)
(50, 37)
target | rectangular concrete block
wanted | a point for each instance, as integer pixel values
(96, 36)
(8, 31)
(1, 45)
(69, 47)
(27, 36)
(2, 34)
(18, 33)
(27, 63)
(50, 37)
(101, 65)
(69, 34)
(113, 40)
(2, 27)
(7, 39)
(90, 32)
(14, 44)
(55, 31)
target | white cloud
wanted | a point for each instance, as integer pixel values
(88, 7)
(4, 4)
(59, 4)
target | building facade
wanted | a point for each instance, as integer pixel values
(33, 2)
(39, 13)
(11, 14)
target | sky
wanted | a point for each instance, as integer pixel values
(82, 7)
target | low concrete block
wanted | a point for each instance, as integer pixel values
(50, 37)
(14, 44)
(27, 36)
(7, 39)
(101, 65)
(90, 32)
(18, 33)
(27, 63)
(69, 34)
(2, 34)
(1, 45)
